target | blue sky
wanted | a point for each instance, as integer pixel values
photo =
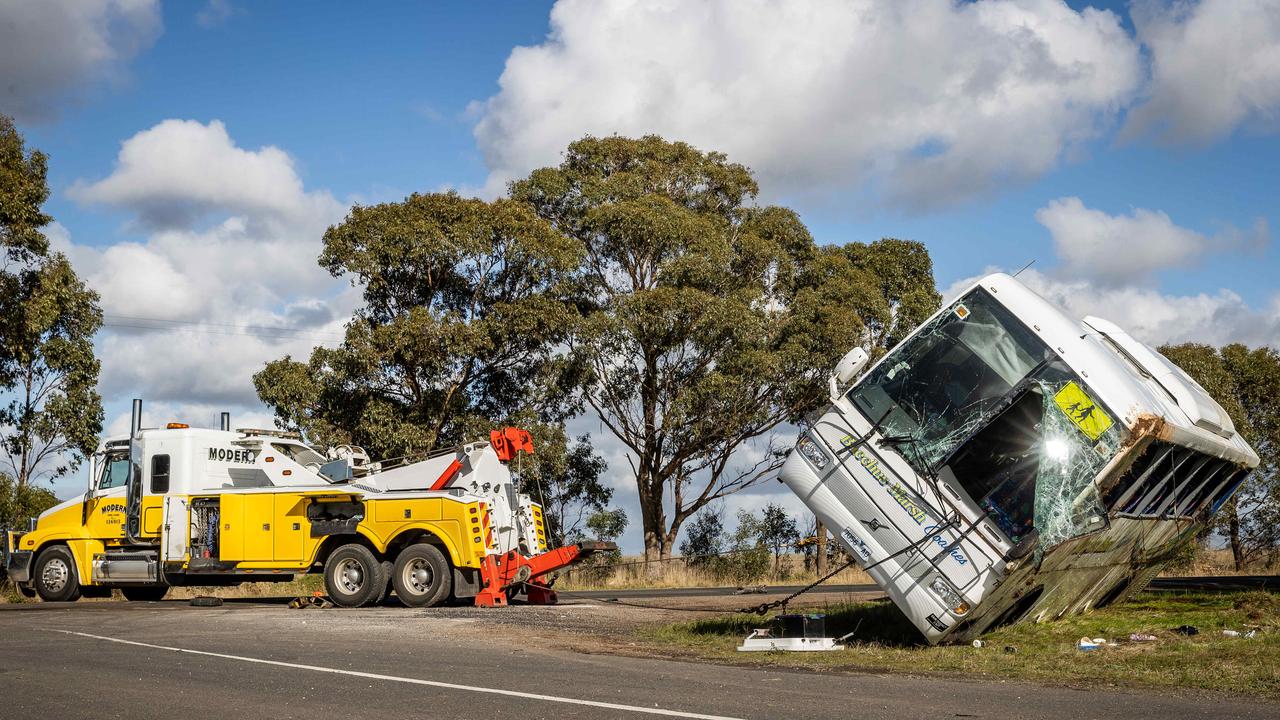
(1131, 151)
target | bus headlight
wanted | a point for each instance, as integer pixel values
(949, 596)
(812, 453)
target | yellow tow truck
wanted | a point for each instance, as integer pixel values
(195, 506)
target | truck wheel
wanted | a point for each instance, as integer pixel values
(55, 578)
(147, 593)
(353, 576)
(421, 576)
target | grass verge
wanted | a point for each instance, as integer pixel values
(1045, 652)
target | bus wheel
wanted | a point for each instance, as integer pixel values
(353, 576)
(145, 593)
(55, 577)
(421, 576)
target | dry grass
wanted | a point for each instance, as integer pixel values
(633, 573)
(1046, 652)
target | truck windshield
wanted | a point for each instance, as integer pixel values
(943, 383)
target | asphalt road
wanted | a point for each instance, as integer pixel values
(166, 660)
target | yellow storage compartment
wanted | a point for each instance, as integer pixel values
(259, 524)
(290, 527)
(231, 534)
(386, 511)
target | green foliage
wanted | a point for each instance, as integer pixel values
(20, 503)
(703, 538)
(1246, 382)
(23, 189)
(566, 482)
(777, 530)
(466, 305)
(52, 413)
(709, 320)
(608, 525)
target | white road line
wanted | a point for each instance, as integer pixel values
(411, 681)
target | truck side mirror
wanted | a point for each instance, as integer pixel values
(847, 369)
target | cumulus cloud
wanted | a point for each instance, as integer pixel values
(1117, 249)
(52, 50)
(923, 101)
(1156, 317)
(223, 277)
(182, 170)
(1215, 65)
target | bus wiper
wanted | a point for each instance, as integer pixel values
(875, 427)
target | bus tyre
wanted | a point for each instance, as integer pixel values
(353, 577)
(421, 576)
(145, 593)
(55, 577)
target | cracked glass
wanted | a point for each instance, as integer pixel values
(976, 394)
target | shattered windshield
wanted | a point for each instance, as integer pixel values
(975, 395)
(948, 379)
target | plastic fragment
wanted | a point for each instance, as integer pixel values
(1086, 644)
(979, 643)
(1231, 633)
(1141, 637)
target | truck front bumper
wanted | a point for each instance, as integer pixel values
(17, 563)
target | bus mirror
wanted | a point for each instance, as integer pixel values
(847, 369)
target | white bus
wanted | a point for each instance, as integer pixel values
(1005, 462)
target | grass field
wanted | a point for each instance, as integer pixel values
(1046, 652)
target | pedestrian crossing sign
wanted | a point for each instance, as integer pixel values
(1082, 411)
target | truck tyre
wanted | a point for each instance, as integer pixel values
(386, 568)
(421, 576)
(145, 593)
(54, 576)
(353, 577)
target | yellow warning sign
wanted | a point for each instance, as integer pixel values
(1082, 410)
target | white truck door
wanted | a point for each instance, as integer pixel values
(177, 530)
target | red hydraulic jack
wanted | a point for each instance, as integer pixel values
(500, 573)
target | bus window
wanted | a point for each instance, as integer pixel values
(1157, 487)
(1226, 489)
(1197, 488)
(1190, 473)
(1139, 472)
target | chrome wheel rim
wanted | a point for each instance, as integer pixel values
(55, 574)
(349, 575)
(418, 576)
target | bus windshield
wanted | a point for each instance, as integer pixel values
(939, 386)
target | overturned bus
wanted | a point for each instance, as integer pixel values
(1005, 462)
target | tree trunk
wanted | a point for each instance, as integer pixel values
(820, 564)
(1233, 531)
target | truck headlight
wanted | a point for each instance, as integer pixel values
(950, 597)
(812, 453)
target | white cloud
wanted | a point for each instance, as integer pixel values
(1117, 249)
(226, 267)
(51, 50)
(1215, 65)
(924, 101)
(179, 171)
(1155, 317)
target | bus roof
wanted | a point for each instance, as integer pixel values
(1128, 376)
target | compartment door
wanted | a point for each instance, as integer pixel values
(177, 530)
